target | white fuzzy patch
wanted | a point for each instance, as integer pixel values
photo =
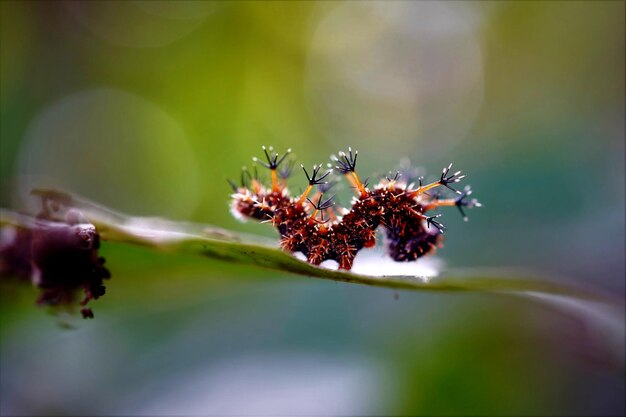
(236, 213)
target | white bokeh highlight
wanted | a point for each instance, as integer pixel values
(277, 383)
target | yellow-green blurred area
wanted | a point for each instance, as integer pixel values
(148, 106)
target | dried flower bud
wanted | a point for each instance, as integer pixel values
(58, 257)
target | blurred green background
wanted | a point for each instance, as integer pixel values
(148, 106)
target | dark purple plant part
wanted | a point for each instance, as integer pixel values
(16, 252)
(59, 257)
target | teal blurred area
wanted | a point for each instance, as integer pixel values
(148, 106)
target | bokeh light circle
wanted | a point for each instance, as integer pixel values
(112, 146)
(406, 74)
(140, 24)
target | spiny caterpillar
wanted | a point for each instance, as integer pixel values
(395, 203)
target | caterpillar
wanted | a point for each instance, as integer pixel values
(310, 223)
